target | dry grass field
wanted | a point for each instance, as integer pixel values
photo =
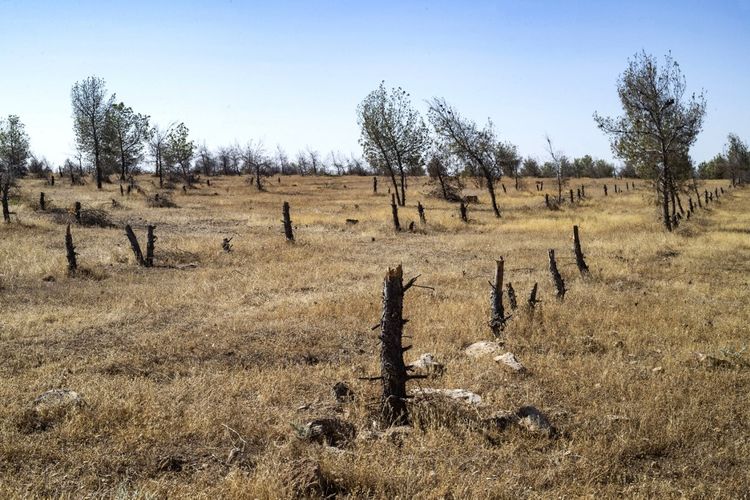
(194, 374)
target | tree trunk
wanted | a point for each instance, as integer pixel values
(580, 262)
(420, 211)
(287, 222)
(512, 297)
(375, 185)
(462, 210)
(150, 240)
(135, 246)
(393, 374)
(665, 203)
(394, 212)
(71, 252)
(497, 318)
(491, 189)
(6, 209)
(556, 278)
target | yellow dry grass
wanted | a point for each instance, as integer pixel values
(180, 365)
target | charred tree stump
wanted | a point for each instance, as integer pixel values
(541, 185)
(556, 278)
(533, 301)
(150, 240)
(627, 187)
(497, 318)
(546, 201)
(6, 209)
(572, 200)
(580, 262)
(208, 182)
(71, 252)
(632, 184)
(512, 300)
(42, 202)
(394, 212)
(393, 374)
(583, 191)
(710, 196)
(374, 185)
(462, 209)
(716, 192)
(52, 180)
(505, 191)
(77, 211)
(131, 187)
(605, 190)
(122, 191)
(420, 211)
(690, 204)
(287, 222)
(705, 192)
(226, 245)
(722, 190)
(578, 193)
(135, 246)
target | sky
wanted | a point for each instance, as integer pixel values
(292, 73)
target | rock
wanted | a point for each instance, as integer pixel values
(342, 393)
(351, 222)
(458, 394)
(427, 365)
(328, 430)
(534, 421)
(48, 410)
(711, 361)
(483, 348)
(657, 369)
(510, 361)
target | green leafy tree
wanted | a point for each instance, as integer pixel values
(14, 148)
(91, 107)
(126, 136)
(179, 152)
(658, 125)
(393, 135)
(738, 159)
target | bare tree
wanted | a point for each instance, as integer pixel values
(206, 162)
(254, 160)
(282, 160)
(315, 163)
(393, 135)
(91, 105)
(558, 161)
(157, 146)
(477, 148)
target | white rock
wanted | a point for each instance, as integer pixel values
(459, 394)
(427, 363)
(483, 348)
(510, 361)
(534, 421)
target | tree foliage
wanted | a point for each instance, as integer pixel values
(91, 107)
(658, 125)
(14, 148)
(393, 135)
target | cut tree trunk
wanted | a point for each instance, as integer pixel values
(556, 278)
(580, 262)
(497, 319)
(393, 374)
(71, 252)
(150, 240)
(287, 222)
(394, 212)
(135, 246)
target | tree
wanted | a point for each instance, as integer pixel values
(477, 148)
(179, 151)
(559, 162)
(314, 160)
(659, 122)
(738, 159)
(393, 135)
(531, 168)
(91, 107)
(14, 148)
(127, 133)
(157, 145)
(254, 161)
(206, 162)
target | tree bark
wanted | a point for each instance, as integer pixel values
(556, 278)
(393, 374)
(288, 232)
(580, 262)
(394, 212)
(70, 252)
(497, 319)
(135, 246)
(150, 240)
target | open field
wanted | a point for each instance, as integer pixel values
(193, 377)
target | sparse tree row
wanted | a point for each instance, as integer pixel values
(652, 137)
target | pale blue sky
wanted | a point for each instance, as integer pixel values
(292, 73)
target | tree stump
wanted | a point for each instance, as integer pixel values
(497, 318)
(578, 192)
(77, 211)
(505, 191)
(150, 240)
(512, 300)
(393, 374)
(556, 278)
(546, 201)
(374, 185)
(420, 211)
(287, 222)
(462, 210)
(605, 190)
(71, 252)
(580, 262)
(135, 246)
(583, 191)
(42, 202)
(394, 212)
(571, 197)
(533, 301)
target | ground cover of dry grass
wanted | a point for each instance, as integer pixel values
(194, 373)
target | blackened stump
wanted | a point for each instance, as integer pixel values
(135, 246)
(580, 262)
(394, 213)
(150, 241)
(497, 319)
(71, 252)
(287, 222)
(556, 278)
(393, 374)
(512, 297)
(420, 211)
